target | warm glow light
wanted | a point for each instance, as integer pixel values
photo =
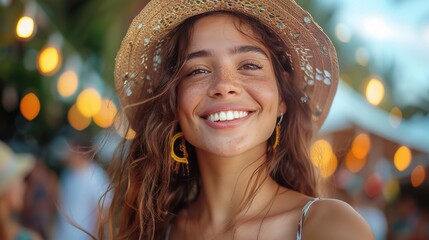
(25, 27)
(353, 163)
(361, 145)
(402, 158)
(343, 33)
(329, 167)
(122, 127)
(49, 61)
(77, 120)
(395, 117)
(131, 134)
(89, 102)
(30, 106)
(323, 157)
(105, 117)
(391, 190)
(67, 83)
(320, 151)
(375, 91)
(418, 176)
(362, 56)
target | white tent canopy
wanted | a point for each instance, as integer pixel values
(351, 109)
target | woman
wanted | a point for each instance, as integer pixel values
(225, 97)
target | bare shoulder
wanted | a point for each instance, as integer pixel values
(334, 219)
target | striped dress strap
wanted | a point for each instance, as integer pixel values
(304, 212)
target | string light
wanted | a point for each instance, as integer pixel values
(67, 83)
(49, 61)
(77, 120)
(361, 145)
(402, 158)
(418, 176)
(30, 106)
(375, 91)
(89, 102)
(25, 28)
(105, 117)
(323, 157)
(343, 33)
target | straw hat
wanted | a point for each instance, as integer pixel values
(13, 166)
(311, 53)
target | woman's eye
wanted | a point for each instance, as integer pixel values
(251, 66)
(197, 71)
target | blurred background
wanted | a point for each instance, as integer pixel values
(56, 88)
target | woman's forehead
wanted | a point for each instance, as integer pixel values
(211, 30)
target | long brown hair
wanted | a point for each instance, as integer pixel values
(146, 189)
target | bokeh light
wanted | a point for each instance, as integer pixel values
(391, 189)
(25, 27)
(89, 102)
(362, 56)
(373, 185)
(361, 145)
(418, 176)
(402, 158)
(122, 127)
(343, 33)
(323, 157)
(377, 28)
(68, 83)
(49, 61)
(9, 98)
(329, 167)
(77, 120)
(30, 106)
(106, 116)
(395, 117)
(375, 91)
(353, 163)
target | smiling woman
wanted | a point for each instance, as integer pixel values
(224, 97)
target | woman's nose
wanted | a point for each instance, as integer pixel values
(225, 83)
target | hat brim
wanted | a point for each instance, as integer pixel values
(311, 53)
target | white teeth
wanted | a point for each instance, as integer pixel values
(226, 116)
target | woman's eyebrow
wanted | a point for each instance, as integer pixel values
(248, 48)
(197, 54)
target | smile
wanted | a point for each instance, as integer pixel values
(226, 116)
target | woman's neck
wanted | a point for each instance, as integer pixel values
(228, 186)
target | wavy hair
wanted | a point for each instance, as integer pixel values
(147, 190)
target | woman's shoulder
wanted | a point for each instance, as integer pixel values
(334, 219)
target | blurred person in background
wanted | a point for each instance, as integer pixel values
(82, 186)
(13, 169)
(39, 209)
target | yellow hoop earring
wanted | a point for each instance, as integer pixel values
(182, 148)
(277, 140)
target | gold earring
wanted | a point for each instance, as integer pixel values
(277, 140)
(182, 148)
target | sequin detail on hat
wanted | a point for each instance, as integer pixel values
(307, 20)
(129, 82)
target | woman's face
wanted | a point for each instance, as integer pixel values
(228, 100)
